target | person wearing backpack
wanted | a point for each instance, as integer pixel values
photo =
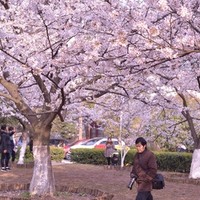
(144, 169)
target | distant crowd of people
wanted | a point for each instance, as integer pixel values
(7, 147)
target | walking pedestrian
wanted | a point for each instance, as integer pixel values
(144, 169)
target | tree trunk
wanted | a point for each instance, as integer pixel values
(195, 166)
(23, 148)
(124, 151)
(80, 128)
(42, 182)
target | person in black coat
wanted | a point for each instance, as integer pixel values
(5, 148)
(12, 143)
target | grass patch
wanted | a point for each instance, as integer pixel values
(26, 195)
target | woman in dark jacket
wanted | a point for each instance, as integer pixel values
(12, 143)
(144, 168)
(5, 148)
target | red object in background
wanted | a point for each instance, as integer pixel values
(67, 146)
(100, 146)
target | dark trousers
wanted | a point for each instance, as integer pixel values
(108, 160)
(144, 196)
(13, 155)
(5, 157)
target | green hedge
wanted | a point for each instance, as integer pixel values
(174, 161)
(88, 156)
(28, 157)
(57, 154)
(167, 161)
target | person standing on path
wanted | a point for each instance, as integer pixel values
(144, 169)
(110, 148)
(12, 143)
(5, 148)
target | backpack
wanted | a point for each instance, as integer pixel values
(158, 182)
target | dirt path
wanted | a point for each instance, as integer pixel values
(107, 180)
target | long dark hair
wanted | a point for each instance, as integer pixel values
(3, 127)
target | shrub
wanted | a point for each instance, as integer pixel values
(28, 157)
(57, 154)
(167, 161)
(174, 161)
(88, 156)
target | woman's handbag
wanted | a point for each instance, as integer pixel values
(158, 182)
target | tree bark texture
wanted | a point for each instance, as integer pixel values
(195, 166)
(25, 140)
(42, 182)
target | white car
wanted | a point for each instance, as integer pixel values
(91, 143)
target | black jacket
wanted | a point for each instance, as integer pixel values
(11, 140)
(5, 141)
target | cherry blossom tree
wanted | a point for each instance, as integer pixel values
(171, 29)
(161, 52)
(56, 54)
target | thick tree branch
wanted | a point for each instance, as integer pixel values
(5, 4)
(19, 102)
